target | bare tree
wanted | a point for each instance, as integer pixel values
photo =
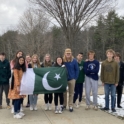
(73, 15)
(32, 27)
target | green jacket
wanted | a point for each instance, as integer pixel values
(5, 72)
(81, 73)
(110, 72)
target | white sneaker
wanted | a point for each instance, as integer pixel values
(31, 107)
(46, 107)
(12, 110)
(18, 116)
(75, 105)
(87, 107)
(56, 110)
(21, 109)
(79, 104)
(50, 107)
(22, 114)
(35, 108)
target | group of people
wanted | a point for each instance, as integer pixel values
(78, 72)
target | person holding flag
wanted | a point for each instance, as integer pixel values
(14, 92)
(73, 72)
(47, 97)
(35, 63)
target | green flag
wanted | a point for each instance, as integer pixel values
(50, 80)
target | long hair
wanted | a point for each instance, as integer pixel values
(56, 64)
(18, 66)
(46, 64)
(16, 58)
(65, 59)
(38, 61)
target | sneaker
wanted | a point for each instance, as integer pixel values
(119, 106)
(79, 103)
(63, 107)
(60, 110)
(8, 107)
(87, 107)
(21, 113)
(18, 116)
(31, 107)
(75, 105)
(50, 107)
(105, 109)
(27, 106)
(35, 108)
(46, 107)
(21, 109)
(56, 110)
(113, 110)
(0, 106)
(71, 109)
(12, 110)
(95, 108)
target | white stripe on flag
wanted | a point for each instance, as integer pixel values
(27, 82)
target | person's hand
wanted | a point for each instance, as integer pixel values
(102, 84)
(116, 85)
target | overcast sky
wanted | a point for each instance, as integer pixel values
(11, 10)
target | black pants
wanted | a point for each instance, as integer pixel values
(17, 105)
(61, 98)
(48, 98)
(119, 91)
(21, 101)
(28, 102)
(5, 88)
(78, 92)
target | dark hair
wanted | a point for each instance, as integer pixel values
(18, 66)
(16, 58)
(56, 64)
(118, 54)
(3, 54)
(80, 53)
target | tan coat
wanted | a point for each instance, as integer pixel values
(13, 94)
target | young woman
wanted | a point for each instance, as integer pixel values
(58, 63)
(14, 92)
(12, 64)
(47, 97)
(35, 63)
(28, 61)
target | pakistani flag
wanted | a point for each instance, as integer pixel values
(44, 80)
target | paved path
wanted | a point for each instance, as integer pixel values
(79, 116)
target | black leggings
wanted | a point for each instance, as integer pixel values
(21, 101)
(61, 98)
(48, 98)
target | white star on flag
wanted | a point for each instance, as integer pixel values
(57, 76)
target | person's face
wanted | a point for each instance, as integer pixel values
(68, 55)
(2, 58)
(19, 54)
(28, 58)
(21, 61)
(91, 56)
(117, 58)
(110, 55)
(47, 58)
(79, 57)
(59, 61)
(34, 59)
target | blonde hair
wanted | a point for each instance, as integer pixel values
(111, 51)
(47, 64)
(38, 61)
(65, 59)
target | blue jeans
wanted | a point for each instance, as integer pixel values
(110, 88)
(78, 92)
(33, 100)
(17, 105)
